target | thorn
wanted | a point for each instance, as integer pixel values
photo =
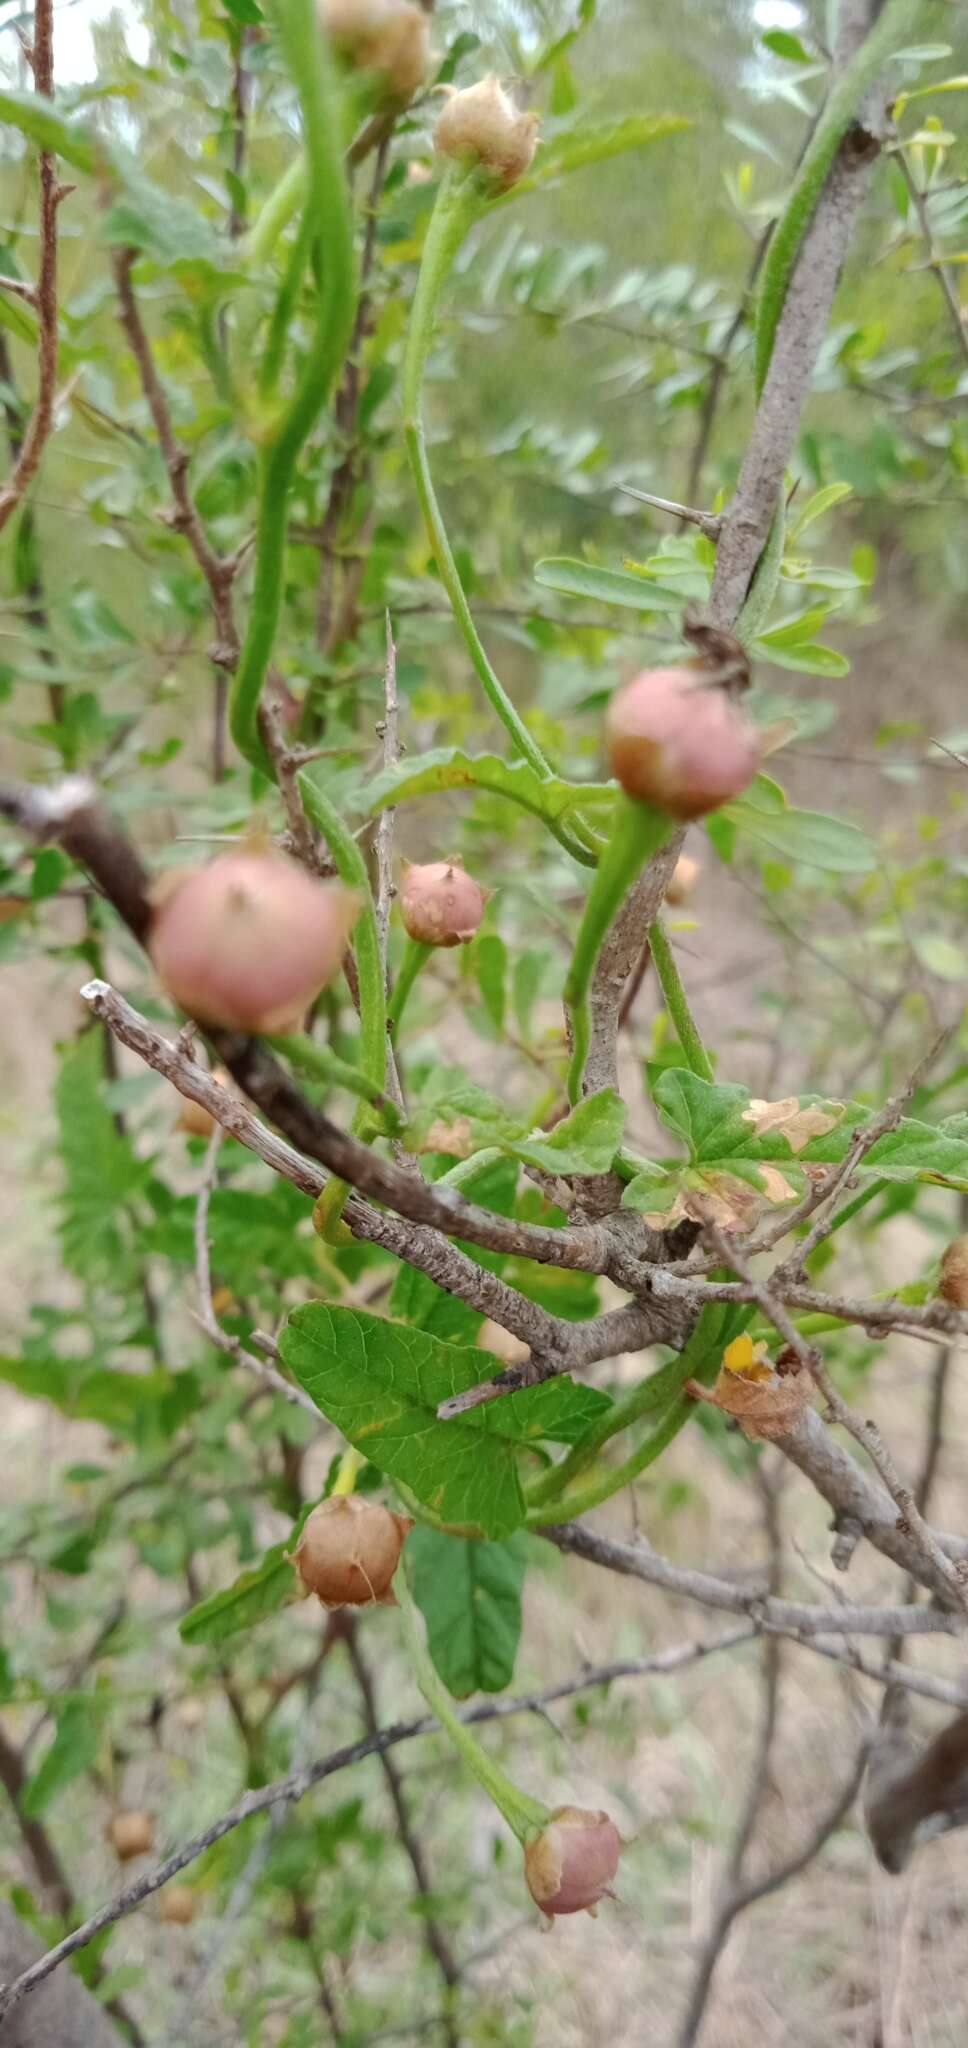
(709, 523)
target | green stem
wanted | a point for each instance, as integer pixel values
(322, 1065)
(351, 869)
(674, 998)
(328, 202)
(650, 1394)
(415, 958)
(758, 602)
(638, 830)
(895, 25)
(460, 201)
(524, 1815)
(276, 212)
(700, 1361)
(282, 312)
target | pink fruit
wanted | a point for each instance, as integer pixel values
(679, 741)
(441, 905)
(571, 1864)
(250, 940)
(349, 1550)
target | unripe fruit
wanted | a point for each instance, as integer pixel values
(349, 1550)
(391, 37)
(131, 1834)
(248, 941)
(682, 880)
(176, 1905)
(483, 123)
(441, 905)
(679, 741)
(571, 1864)
(953, 1284)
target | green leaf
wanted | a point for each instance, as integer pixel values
(588, 144)
(817, 505)
(469, 1593)
(806, 658)
(73, 1750)
(381, 1384)
(784, 44)
(810, 837)
(160, 224)
(130, 1404)
(606, 586)
(100, 1168)
(585, 1141)
(256, 1593)
(491, 961)
(38, 119)
(451, 768)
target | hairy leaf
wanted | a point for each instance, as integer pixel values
(469, 1593)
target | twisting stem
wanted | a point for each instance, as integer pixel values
(638, 831)
(328, 203)
(674, 998)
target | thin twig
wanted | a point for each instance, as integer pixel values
(936, 262)
(42, 419)
(266, 1374)
(384, 831)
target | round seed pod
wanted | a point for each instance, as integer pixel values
(571, 1864)
(440, 903)
(388, 37)
(482, 123)
(250, 940)
(131, 1833)
(682, 880)
(176, 1905)
(349, 1550)
(679, 741)
(953, 1284)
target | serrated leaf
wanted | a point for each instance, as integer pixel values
(469, 1593)
(130, 1404)
(73, 1750)
(159, 223)
(606, 586)
(101, 1170)
(585, 1141)
(381, 1384)
(450, 768)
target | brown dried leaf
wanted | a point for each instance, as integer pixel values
(765, 1408)
(455, 1138)
(791, 1122)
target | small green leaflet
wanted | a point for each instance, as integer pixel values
(588, 144)
(130, 1404)
(550, 798)
(469, 1593)
(586, 1141)
(73, 1750)
(606, 586)
(255, 1594)
(381, 1384)
(806, 837)
(38, 120)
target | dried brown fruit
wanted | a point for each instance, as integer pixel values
(176, 1905)
(248, 941)
(570, 1865)
(683, 879)
(678, 740)
(389, 37)
(953, 1284)
(765, 1403)
(131, 1833)
(483, 123)
(349, 1550)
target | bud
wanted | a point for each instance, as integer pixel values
(176, 1905)
(953, 1284)
(349, 1550)
(441, 905)
(131, 1834)
(483, 123)
(571, 1864)
(248, 941)
(680, 741)
(682, 880)
(390, 37)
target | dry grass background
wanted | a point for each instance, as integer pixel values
(844, 1956)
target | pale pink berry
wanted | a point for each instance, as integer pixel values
(571, 1864)
(440, 903)
(250, 940)
(679, 741)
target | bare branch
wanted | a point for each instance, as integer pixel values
(384, 830)
(266, 1374)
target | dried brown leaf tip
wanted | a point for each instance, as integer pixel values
(791, 1122)
(766, 1404)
